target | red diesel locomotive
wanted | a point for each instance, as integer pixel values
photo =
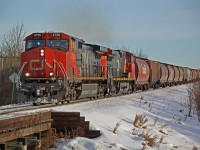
(59, 67)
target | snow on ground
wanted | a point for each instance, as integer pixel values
(4, 107)
(165, 110)
(168, 105)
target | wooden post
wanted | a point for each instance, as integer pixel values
(24, 143)
(39, 136)
(3, 146)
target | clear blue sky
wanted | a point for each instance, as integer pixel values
(166, 30)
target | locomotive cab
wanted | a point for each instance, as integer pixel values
(43, 52)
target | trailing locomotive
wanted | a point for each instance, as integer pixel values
(58, 67)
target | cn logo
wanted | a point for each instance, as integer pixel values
(35, 63)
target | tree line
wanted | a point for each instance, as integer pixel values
(10, 49)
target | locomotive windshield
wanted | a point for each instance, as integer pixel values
(58, 44)
(35, 43)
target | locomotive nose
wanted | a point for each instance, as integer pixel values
(40, 63)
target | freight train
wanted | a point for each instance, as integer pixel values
(56, 67)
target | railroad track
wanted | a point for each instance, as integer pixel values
(12, 107)
(22, 108)
(4, 111)
(31, 107)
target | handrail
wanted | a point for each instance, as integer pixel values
(63, 71)
(20, 72)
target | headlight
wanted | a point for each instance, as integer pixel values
(51, 73)
(41, 52)
(27, 74)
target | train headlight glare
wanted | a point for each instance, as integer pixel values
(51, 73)
(27, 74)
(41, 52)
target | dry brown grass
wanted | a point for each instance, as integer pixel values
(150, 139)
(161, 139)
(194, 148)
(140, 120)
(79, 131)
(46, 142)
(155, 121)
(163, 126)
(141, 98)
(194, 98)
(197, 98)
(144, 146)
(116, 127)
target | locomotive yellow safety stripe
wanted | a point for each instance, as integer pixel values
(83, 78)
(102, 78)
(41, 78)
(123, 79)
(90, 78)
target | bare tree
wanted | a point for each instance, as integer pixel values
(141, 53)
(10, 49)
(196, 87)
(137, 53)
(12, 41)
(123, 48)
(190, 102)
(194, 98)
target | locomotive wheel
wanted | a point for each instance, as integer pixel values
(143, 88)
(68, 101)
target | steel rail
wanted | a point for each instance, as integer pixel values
(24, 108)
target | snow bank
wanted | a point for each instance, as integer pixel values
(164, 108)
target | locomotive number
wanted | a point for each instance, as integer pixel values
(37, 34)
(56, 34)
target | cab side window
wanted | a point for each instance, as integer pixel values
(73, 44)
